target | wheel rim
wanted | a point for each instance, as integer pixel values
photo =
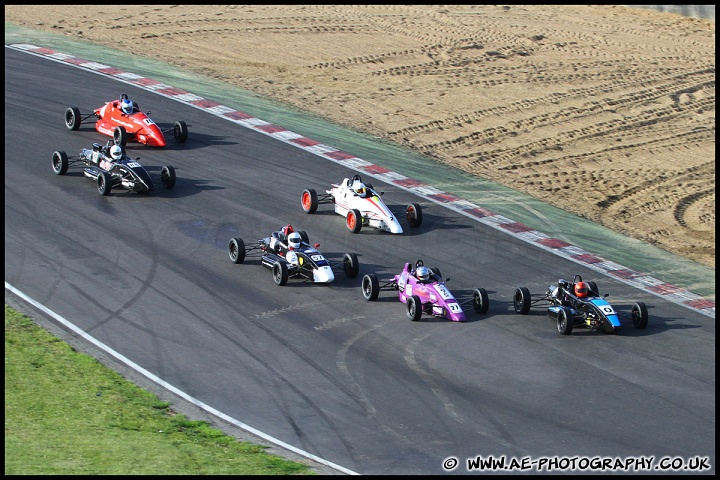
(233, 251)
(411, 214)
(351, 220)
(306, 201)
(366, 288)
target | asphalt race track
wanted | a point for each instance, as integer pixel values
(353, 382)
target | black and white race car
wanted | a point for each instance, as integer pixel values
(110, 167)
(289, 254)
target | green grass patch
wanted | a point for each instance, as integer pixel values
(67, 414)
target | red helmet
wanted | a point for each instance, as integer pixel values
(581, 289)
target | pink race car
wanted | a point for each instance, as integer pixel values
(123, 121)
(423, 290)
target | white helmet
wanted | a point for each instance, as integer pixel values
(127, 106)
(294, 240)
(423, 274)
(116, 152)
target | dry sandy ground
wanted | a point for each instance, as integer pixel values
(605, 111)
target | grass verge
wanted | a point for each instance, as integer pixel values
(67, 414)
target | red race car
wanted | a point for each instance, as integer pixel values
(123, 121)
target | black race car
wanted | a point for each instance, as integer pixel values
(578, 304)
(288, 254)
(110, 167)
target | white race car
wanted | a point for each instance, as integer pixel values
(361, 206)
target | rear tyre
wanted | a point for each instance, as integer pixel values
(180, 131)
(565, 321)
(436, 272)
(639, 315)
(370, 287)
(280, 273)
(353, 221)
(304, 236)
(236, 250)
(120, 136)
(309, 200)
(104, 183)
(60, 162)
(481, 302)
(414, 215)
(167, 177)
(351, 266)
(414, 308)
(521, 300)
(72, 118)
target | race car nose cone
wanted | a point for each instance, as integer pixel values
(323, 275)
(395, 227)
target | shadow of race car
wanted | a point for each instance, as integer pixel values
(423, 290)
(288, 254)
(123, 121)
(361, 206)
(108, 172)
(578, 304)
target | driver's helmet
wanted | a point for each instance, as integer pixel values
(294, 240)
(116, 152)
(287, 230)
(423, 274)
(359, 188)
(581, 289)
(127, 106)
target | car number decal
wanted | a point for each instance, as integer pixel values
(607, 310)
(454, 307)
(317, 258)
(148, 121)
(133, 164)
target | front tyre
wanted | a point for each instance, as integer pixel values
(167, 177)
(639, 315)
(309, 200)
(353, 221)
(104, 183)
(414, 215)
(521, 300)
(351, 266)
(236, 250)
(60, 162)
(370, 287)
(481, 302)
(120, 136)
(414, 308)
(280, 273)
(180, 131)
(72, 118)
(565, 321)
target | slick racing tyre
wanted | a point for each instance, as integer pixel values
(414, 215)
(414, 308)
(565, 321)
(236, 250)
(639, 315)
(370, 287)
(309, 200)
(521, 300)
(280, 273)
(120, 136)
(351, 266)
(481, 302)
(60, 162)
(167, 177)
(104, 183)
(353, 221)
(72, 118)
(180, 131)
